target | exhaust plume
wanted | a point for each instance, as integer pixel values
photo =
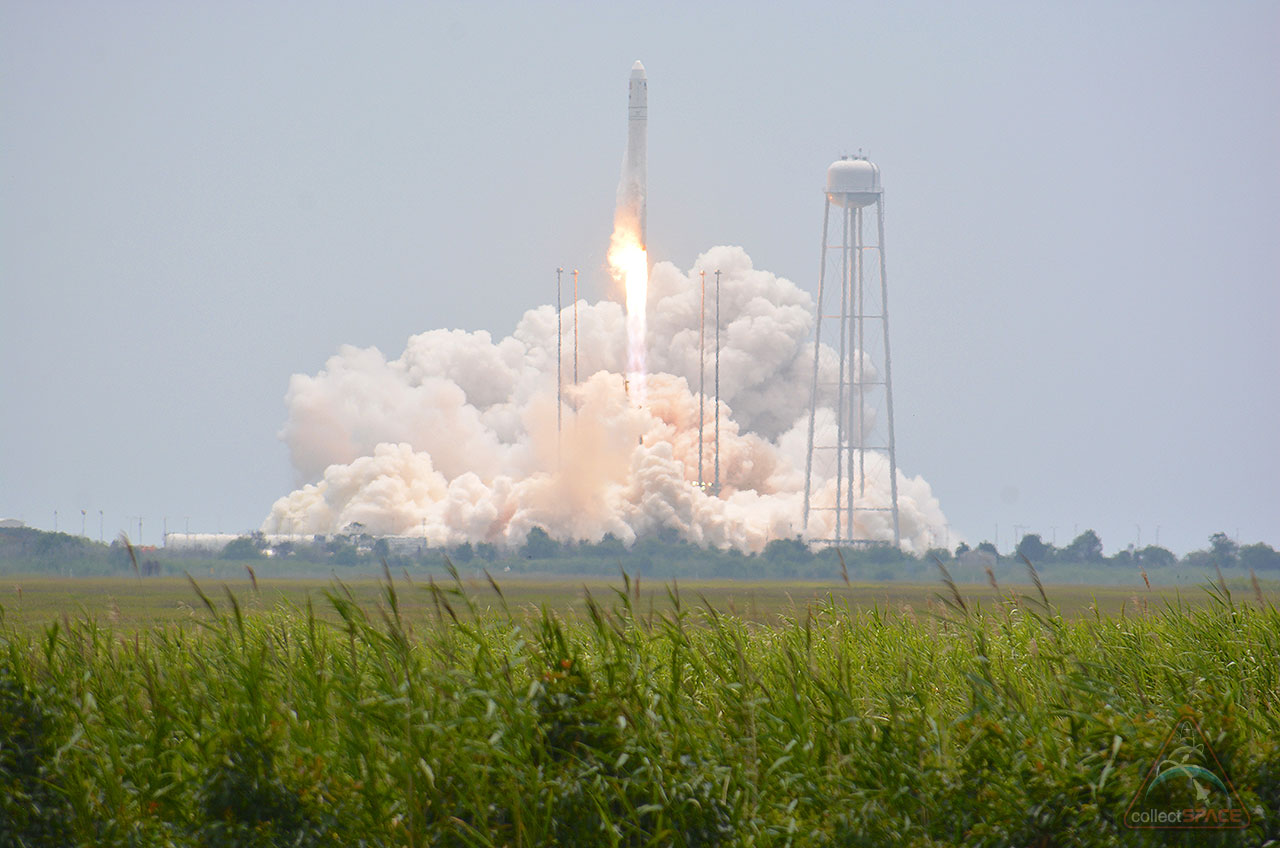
(456, 437)
(629, 264)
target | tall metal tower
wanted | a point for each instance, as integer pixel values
(862, 452)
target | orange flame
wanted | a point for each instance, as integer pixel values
(629, 263)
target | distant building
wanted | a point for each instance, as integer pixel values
(208, 542)
(405, 544)
(216, 542)
(978, 559)
(11, 524)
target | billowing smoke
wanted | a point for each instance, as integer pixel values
(456, 438)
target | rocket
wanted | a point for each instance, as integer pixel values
(632, 188)
(628, 253)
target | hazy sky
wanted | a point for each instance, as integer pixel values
(1082, 230)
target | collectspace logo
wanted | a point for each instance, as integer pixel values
(1186, 787)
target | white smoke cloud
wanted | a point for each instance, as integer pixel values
(456, 438)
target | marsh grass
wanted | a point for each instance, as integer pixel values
(440, 714)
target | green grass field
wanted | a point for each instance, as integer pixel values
(126, 603)
(155, 712)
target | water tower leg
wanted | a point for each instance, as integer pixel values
(813, 389)
(888, 372)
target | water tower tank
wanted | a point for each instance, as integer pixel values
(853, 182)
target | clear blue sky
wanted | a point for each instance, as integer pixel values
(1083, 229)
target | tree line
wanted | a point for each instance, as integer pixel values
(662, 553)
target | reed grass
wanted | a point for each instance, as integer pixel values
(465, 722)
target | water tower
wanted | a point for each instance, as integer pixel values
(845, 472)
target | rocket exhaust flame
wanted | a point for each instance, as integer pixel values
(630, 265)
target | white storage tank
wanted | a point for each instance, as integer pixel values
(853, 182)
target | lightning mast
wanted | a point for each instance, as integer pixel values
(715, 489)
(702, 371)
(559, 371)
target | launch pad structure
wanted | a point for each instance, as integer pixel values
(852, 259)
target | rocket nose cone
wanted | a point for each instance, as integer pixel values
(637, 70)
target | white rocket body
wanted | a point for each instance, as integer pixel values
(632, 188)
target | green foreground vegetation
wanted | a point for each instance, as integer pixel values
(422, 715)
